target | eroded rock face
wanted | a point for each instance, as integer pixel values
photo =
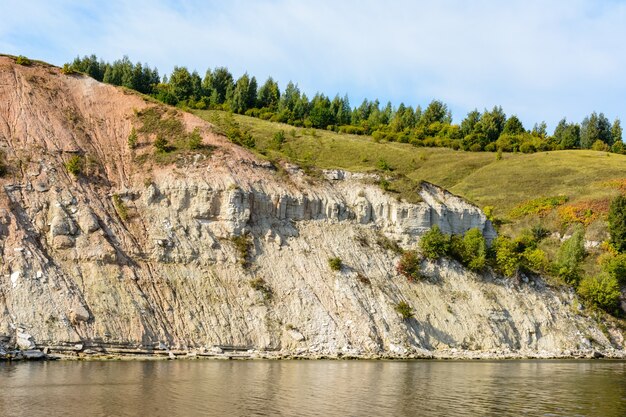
(221, 250)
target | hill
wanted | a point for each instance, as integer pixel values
(128, 226)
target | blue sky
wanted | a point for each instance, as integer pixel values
(540, 60)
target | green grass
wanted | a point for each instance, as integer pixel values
(477, 176)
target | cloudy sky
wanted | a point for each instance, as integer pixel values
(541, 60)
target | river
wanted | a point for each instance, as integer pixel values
(313, 388)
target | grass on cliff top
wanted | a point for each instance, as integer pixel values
(477, 176)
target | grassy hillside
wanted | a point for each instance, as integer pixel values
(478, 176)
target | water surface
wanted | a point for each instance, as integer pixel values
(313, 388)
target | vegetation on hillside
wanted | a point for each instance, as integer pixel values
(489, 130)
(572, 189)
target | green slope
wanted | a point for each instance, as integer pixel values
(477, 176)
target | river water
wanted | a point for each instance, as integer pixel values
(313, 388)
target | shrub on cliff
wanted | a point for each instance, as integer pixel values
(471, 249)
(3, 165)
(161, 144)
(617, 223)
(434, 244)
(508, 259)
(132, 139)
(404, 309)
(74, 165)
(335, 263)
(603, 291)
(22, 60)
(409, 265)
(570, 255)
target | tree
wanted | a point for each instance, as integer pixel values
(595, 127)
(436, 111)
(181, 83)
(616, 131)
(434, 244)
(513, 126)
(239, 101)
(540, 130)
(569, 256)
(290, 97)
(220, 82)
(617, 223)
(492, 123)
(468, 125)
(268, 95)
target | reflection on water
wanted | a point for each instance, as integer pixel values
(314, 388)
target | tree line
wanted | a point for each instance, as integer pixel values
(489, 130)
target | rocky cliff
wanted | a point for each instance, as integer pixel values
(215, 248)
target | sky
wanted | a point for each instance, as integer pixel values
(540, 60)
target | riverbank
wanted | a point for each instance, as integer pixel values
(217, 353)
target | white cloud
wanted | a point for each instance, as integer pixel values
(540, 60)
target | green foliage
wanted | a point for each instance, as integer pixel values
(404, 309)
(434, 244)
(279, 138)
(409, 266)
(383, 165)
(243, 246)
(537, 206)
(536, 259)
(388, 244)
(161, 144)
(67, 69)
(22, 60)
(120, 207)
(615, 266)
(508, 259)
(474, 250)
(570, 255)
(195, 140)
(617, 223)
(335, 264)
(74, 165)
(132, 139)
(4, 168)
(603, 291)
(260, 285)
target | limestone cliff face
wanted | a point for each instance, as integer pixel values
(222, 249)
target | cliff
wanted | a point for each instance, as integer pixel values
(214, 248)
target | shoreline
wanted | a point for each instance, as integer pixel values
(47, 354)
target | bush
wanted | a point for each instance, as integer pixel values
(120, 207)
(132, 139)
(409, 265)
(603, 291)
(22, 60)
(570, 255)
(508, 260)
(335, 264)
(260, 285)
(278, 139)
(242, 245)
(536, 259)
(74, 165)
(4, 169)
(161, 144)
(404, 309)
(67, 69)
(195, 140)
(600, 146)
(615, 266)
(617, 223)
(434, 244)
(383, 165)
(474, 254)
